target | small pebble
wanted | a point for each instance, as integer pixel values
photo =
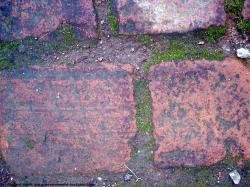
(133, 50)
(100, 59)
(99, 178)
(102, 22)
(127, 177)
(201, 43)
(243, 53)
(235, 176)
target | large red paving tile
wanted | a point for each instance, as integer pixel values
(67, 120)
(20, 19)
(167, 16)
(199, 108)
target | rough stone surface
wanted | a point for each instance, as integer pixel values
(200, 108)
(166, 16)
(67, 120)
(19, 19)
(246, 9)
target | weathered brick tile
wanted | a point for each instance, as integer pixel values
(166, 16)
(198, 107)
(61, 120)
(20, 19)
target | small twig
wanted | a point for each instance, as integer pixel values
(137, 178)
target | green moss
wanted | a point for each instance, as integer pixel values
(4, 46)
(29, 143)
(143, 106)
(213, 34)
(243, 25)
(179, 50)
(234, 7)
(144, 39)
(193, 185)
(68, 34)
(3, 64)
(113, 21)
(203, 175)
(230, 161)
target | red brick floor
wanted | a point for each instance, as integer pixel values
(200, 108)
(67, 120)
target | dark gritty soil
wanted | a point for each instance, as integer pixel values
(126, 49)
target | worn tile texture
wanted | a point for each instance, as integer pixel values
(20, 19)
(199, 109)
(167, 16)
(67, 120)
(246, 9)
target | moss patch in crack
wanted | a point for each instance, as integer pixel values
(113, 21)
(143, 106)
(234, 8)
(67, 33)
(243, 25)
(144, 39)
(213, 34)
(203, 176)
(194, 185)
(179, 50)
(32, 51)
(3, 64)
(230, 161)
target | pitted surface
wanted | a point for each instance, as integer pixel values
(67, 120)
(166, 16)
(198, 109)
(20, 19)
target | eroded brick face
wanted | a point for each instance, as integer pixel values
(67, 120)
(166, 16)
(20, 19)
(199, 108)
(246, 9)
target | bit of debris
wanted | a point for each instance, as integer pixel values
(201, 43)
(235, 176)
(102, 22)
(133, 50)
(100, 59)
(127, 177)
(99, 178)
(243, 53)
(137, 178)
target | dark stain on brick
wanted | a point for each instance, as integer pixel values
(216, 105)
(21, 19)
(61, 129)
